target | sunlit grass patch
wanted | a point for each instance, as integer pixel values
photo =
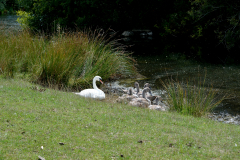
(61, 125)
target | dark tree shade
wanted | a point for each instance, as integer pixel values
(196, 27)
(118, 15)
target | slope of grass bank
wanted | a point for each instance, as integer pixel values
(33, 123)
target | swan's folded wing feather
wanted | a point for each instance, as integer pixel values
(92, 93)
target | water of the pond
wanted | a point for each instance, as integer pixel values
(156, 68)
(9, 22)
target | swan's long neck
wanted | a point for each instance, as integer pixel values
(157, 100)
(94, 83)
(137, 86)
(130, 91)
(144, 95)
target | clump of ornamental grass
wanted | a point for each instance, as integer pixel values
(104, 58)
(18, 52)
(63, 59)
(196, 99)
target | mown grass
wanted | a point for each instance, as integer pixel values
(64, 59)
(192, 99)
(92, 129)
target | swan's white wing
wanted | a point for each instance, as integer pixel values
(92, 93)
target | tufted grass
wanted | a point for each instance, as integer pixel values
(192, 99)
(92, 129)
(64, 59)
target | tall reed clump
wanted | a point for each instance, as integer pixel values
(103, 58)
(189, 99)
(66, 59)
(57, 62)
(18, 52)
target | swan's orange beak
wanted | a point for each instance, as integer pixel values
(101, 81)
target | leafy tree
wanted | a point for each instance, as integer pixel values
(221, 16)
(11, 5)
(204, 29)
(196, 27)
(118, 15)
(2, 4)
(25, 5)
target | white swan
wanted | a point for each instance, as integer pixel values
(95, 93)
(141, 102)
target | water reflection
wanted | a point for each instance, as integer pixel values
(9, 22)
(157, 69)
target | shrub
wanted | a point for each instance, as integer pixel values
(189, 99)
(23, 19)
(63, 59)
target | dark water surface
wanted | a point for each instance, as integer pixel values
(158, 67)
(9, 22)
(225, 79)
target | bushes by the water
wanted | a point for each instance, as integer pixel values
(67, 59)
(195, 99)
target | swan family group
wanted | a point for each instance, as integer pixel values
(142, 98)
(137, 97)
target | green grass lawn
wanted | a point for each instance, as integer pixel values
(92, 129)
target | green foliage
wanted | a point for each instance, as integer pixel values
(11, 6)
(26, 5)
(2, 7)
(193, 99)
(198, 28)
(2, 4)
(218, 17)
(64, 59)
(203, 29)
(103, 14)
(23, 19)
